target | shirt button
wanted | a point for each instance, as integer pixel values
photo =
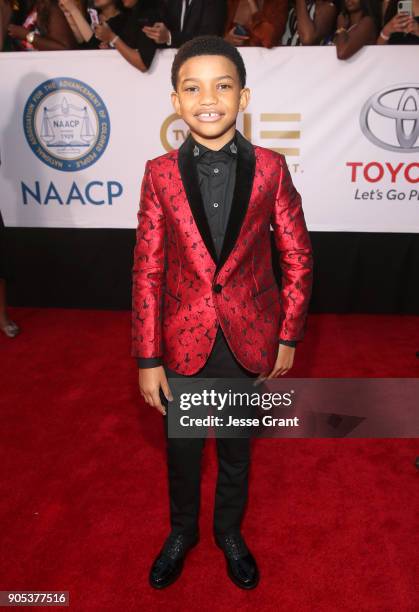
(216, 170)
(215, 204)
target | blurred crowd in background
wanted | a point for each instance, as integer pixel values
(137, 28)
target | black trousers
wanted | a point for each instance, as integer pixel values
(184, 460)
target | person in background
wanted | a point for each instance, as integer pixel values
(358, 25)
(43, 28)
(134, 46)
(400, 29)
(310, 22)
(5, 18)
(261, 21)
(7, 326)
(384, 6)
(74, 28)
(109, 12)
(184, 19)
(11, 11)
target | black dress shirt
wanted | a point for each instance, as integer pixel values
(217, 177)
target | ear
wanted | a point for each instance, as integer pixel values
(175, 102)
(244, 99)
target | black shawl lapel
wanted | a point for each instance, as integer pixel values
(245, 172)
(190, 182)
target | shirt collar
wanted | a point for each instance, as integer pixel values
(199, 150)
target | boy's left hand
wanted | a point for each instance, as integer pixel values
(284, 362)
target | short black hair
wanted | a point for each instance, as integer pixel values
(208, 45)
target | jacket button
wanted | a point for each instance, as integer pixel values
(218, 288)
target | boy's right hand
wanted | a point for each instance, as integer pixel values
(150, 381)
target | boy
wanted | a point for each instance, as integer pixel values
(205, 300)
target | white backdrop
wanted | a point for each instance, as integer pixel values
(76, 129)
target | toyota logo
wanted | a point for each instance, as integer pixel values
(390, 118)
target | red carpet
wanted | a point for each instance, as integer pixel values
(333, 523)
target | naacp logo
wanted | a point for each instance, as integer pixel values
(66, 124)
(390, 118)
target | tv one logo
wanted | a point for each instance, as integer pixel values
(174, 131)
(390, 118)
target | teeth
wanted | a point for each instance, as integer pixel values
(209, 114)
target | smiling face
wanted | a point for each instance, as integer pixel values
(209, 97)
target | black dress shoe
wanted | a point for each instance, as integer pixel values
(168, 565)
(241, 565)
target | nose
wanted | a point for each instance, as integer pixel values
(208, 96)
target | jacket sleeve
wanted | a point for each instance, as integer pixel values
(148, 274)
(149, 362)
(295, 257)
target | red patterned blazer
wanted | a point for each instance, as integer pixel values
(181, 292)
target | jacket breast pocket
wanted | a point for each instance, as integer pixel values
(266, 297)
(171, 304)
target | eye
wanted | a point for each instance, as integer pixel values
(224, 86)
(192, 88)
